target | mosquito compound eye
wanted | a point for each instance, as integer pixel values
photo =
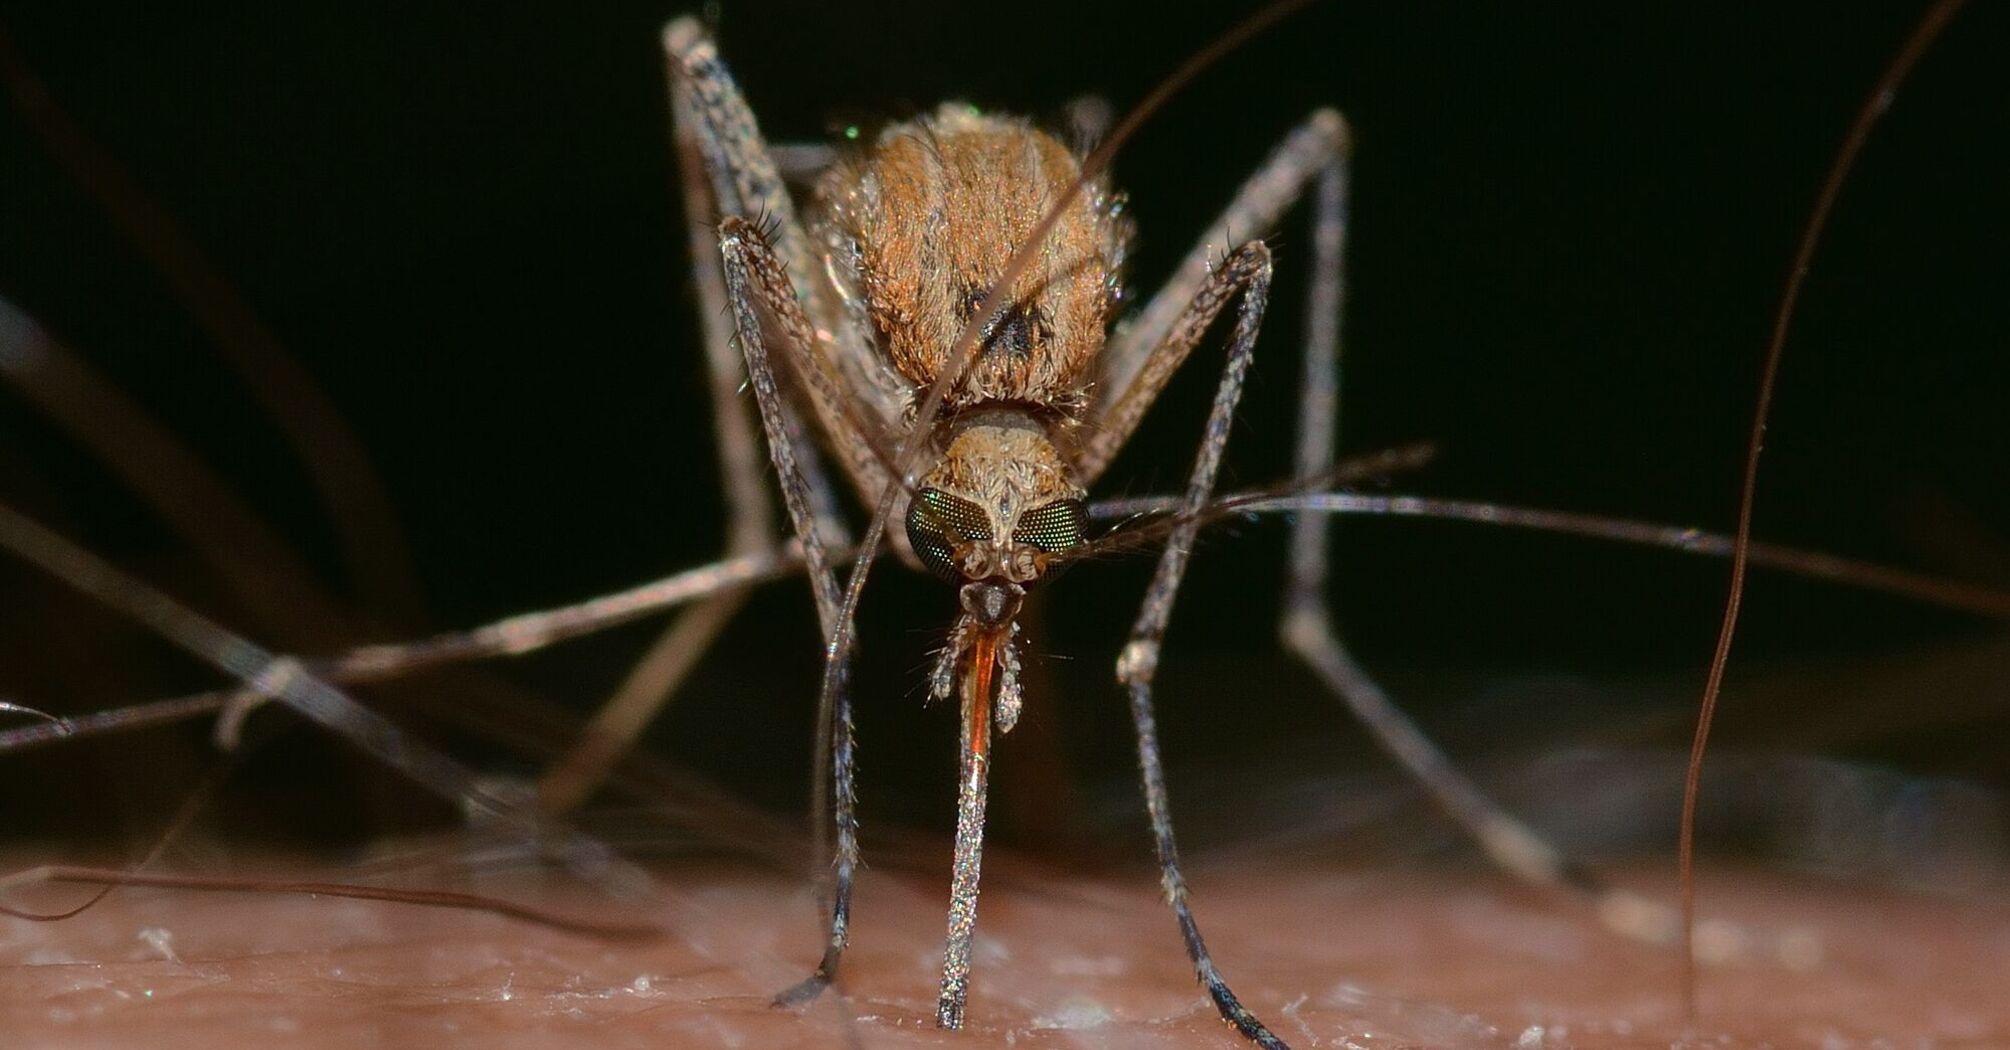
(938, 523)
(1055, 527)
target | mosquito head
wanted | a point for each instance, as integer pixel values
(999, 508)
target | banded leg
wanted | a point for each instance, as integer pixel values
(756, 278)
(1247, 271)
(855, 401)
(750, 527)
(1316, 154)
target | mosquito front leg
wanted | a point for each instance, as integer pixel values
(1247, 271)
(1143, 358)
(756, 279)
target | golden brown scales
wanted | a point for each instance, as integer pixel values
(914, 232)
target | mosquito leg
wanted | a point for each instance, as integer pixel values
(510, 636)
(640, 698)
(755, 278)
(854, 400)
(750, 526)
(1307, 626)
(717, 139)
(1144, 352)
(1145, 355)
(1247, 271)
(289, 681)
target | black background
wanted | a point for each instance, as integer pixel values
(1570, 231)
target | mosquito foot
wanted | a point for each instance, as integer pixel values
(811, 987)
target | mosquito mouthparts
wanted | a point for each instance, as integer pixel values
(991, 602)
(1005, 713)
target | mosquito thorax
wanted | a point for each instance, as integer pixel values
(917, 229)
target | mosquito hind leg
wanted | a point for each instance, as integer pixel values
(1248, 272)
(1308, 630)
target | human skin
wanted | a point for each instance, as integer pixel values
(1380, 956)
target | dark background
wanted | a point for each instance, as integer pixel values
(1570, 230)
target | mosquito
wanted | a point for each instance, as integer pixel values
(849, 322)
(852, 311)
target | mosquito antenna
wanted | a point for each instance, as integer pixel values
(1138, 525)
(1874, 107)
(1142, 529)
(1951, 594)
(837, 648)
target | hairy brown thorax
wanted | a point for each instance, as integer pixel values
(919, 227)
(914, 233)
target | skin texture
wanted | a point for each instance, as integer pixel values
(1409, 595)
(1339, 956)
